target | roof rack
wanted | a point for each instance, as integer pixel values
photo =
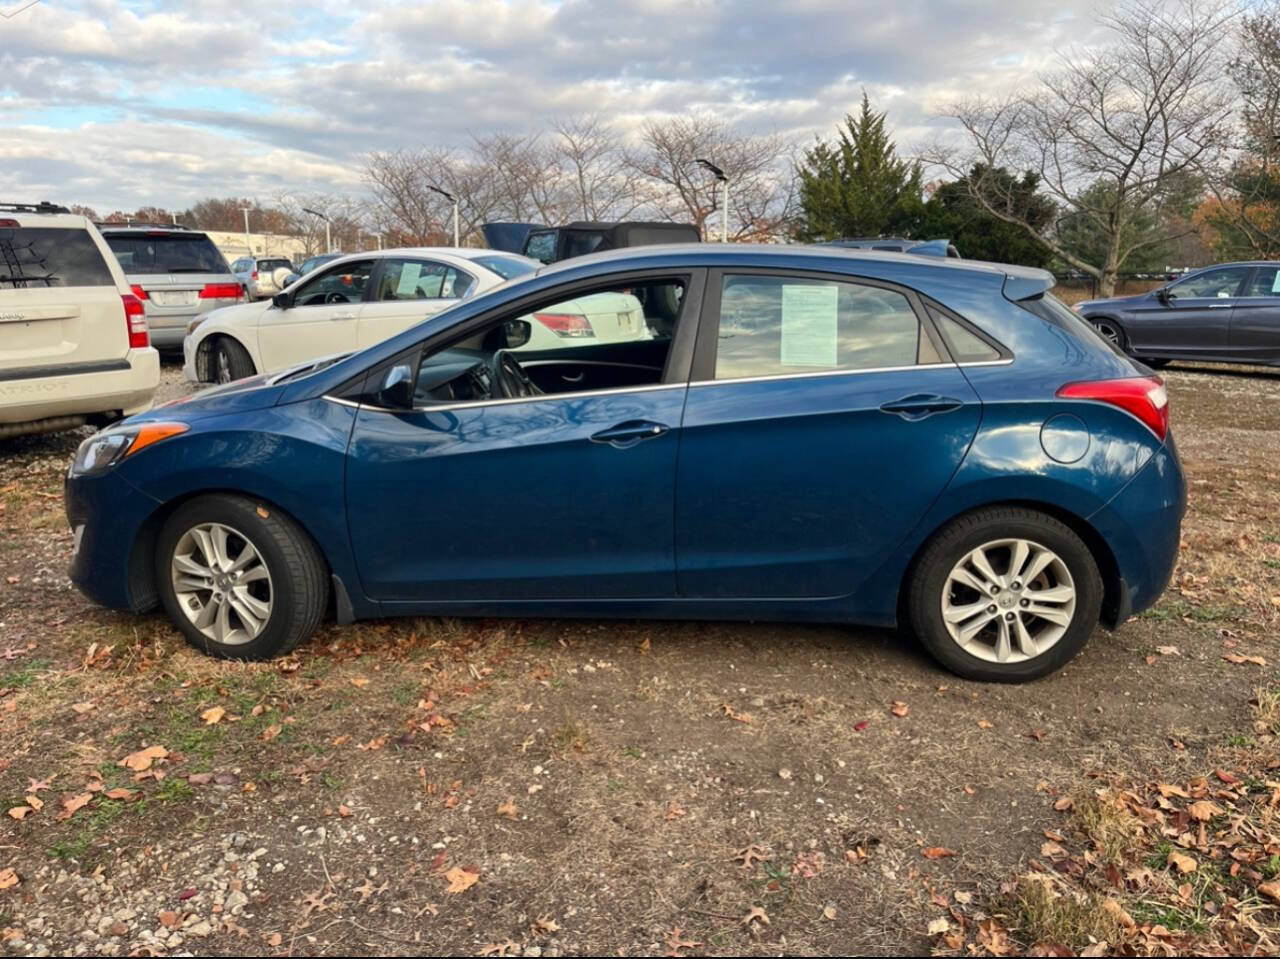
(44, 206)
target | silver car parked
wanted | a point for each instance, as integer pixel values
(177, 273)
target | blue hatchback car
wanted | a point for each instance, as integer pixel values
(781, 433)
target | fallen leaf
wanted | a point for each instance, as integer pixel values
(861, 725)
(270, 733)
(19, 812)
(1183, 863)
(757, 914)
(73, 803)
(461, 879)
(937, 927)
(143, 758)
(937, 852)
(121, 793)
(1271, 889)
(829, 913)
(1204, 810)
(359, 682)
(213, 715)
(899, 708)
(508, 808)
(8, 878)
(982, 724)
(1239, 660)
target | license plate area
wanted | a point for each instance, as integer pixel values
(173, 297)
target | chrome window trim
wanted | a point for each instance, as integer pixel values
(664, 386)
(507, 401)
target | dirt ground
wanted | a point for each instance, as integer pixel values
(547, 788)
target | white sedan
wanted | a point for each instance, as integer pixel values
(364, 298)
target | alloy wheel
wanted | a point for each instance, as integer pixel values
(1008, 601)
(224, 367)
(222, 583)
(1108, 331)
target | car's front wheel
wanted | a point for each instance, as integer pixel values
(1110, 330)
(230, 361)
(1005, 594)
(240, 579)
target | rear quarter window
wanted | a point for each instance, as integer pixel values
(39, 257)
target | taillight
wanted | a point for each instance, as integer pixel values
(220, 291)
(135, 319)
(138, 291)
(253, 275)
(566, 324)
(1143, 396)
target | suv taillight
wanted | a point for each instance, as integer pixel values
(138, 291)
(1143, 396)
(253, 275)
(566, 324)
(220, 291)
(135, 319)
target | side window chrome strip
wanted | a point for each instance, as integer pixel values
(444, 407)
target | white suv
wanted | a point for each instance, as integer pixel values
(74, 346)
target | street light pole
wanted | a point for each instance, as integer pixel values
(248, 247)
(328, 240)
(454, 200)
(724, 196)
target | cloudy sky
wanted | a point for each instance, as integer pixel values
(119, 104)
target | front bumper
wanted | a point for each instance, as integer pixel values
(108, 515)
(1143, 526)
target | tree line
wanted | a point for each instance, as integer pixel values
(1111, 162)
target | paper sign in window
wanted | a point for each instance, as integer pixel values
(407, 288)
(810, 325)
(1275, 282)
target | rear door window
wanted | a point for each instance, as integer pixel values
(1265, 282)
(38, 257)
(162, 252)
(775, 325)
(421, 280)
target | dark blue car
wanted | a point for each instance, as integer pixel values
(1228, 313)
(784, 433)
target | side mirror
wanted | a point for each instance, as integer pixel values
(396, 391)
(516, 333)
(282, 301)
(1163, 295)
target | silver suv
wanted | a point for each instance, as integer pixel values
(177, 273)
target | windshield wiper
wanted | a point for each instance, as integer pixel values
(16, 278)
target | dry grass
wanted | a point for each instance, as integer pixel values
(1044, 911)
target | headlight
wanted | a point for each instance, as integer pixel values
(103, 450)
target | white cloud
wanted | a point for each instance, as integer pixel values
(119, 104)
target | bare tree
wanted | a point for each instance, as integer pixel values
(1113, 134)
(524, 175)
(759, 168)
(408, 212)
(596, 183)
(1246, 214)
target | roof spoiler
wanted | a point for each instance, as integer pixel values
(1026, 282)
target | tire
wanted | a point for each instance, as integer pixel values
(294, 590)
(1155, 363)
(945, 576)
(229, 361)
(1109, 329)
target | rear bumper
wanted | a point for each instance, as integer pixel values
(126, 391)
(1143, 526)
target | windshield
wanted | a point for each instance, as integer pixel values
(506, 266)
(166, 253)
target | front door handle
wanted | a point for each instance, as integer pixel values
(629, 433)
(1221, 306)
(343, 316)
(919, 405)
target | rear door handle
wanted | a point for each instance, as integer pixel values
(919, 405)
(629, 433)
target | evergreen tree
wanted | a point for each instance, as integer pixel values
(952, 214)
(857, 186)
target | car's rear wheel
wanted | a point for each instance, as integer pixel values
(1110, 330)
(239, 579)
(1005, 594)
(230, 361)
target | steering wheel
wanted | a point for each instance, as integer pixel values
(335, 298)
(508, 378)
